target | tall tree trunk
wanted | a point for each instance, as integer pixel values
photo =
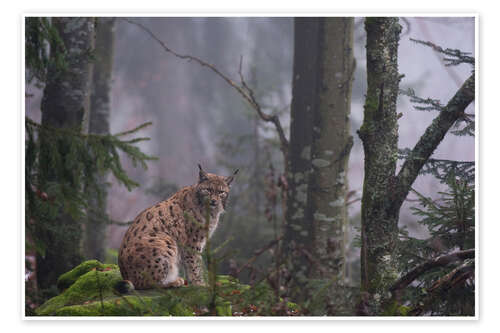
(298, 235)
(65, 104)
(331, 146)
(95, 229)
(379, 133)
(319, 149)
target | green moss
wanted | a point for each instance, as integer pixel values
(224, 309)
(92, 293)
(90, 286)
(292, 306)
(68, 278)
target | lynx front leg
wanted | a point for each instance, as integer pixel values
(194, 269)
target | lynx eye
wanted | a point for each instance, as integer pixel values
(222, 194)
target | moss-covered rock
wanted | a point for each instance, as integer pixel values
(90, 289)
(68, 278)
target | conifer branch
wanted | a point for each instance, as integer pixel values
(428, 142)
(454, 56)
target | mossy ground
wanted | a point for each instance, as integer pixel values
(89, 290)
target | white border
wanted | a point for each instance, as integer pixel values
(239, 14)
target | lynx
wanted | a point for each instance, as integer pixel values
(174, 232)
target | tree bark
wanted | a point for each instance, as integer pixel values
(379, 134)
(331, 146)
(298, 233)
(95, 229)
(319, 149)
(383, 190)
(65, 104)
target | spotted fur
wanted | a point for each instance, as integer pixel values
(174, 232)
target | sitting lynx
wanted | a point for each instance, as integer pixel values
(171, 232)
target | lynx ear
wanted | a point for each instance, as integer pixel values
(202, 175)
(231, 178)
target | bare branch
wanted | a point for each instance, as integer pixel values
(257, 254)
(243, 89)
(432, 137)
(456, 278)
(436, 262)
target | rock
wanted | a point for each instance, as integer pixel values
(96, 289)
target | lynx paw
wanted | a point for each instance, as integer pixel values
(176, 284)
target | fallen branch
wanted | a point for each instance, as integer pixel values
(452, 280)
(437, 262)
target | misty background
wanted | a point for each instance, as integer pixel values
(199, 118)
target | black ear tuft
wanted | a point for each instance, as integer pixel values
(202, 175)
(231, 178)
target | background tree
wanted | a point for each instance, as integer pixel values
(99, 121)
(65, 104)
(320, 144)
(62, 161)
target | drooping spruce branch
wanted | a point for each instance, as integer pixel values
(434, 134)
(104, 147)
(243, 89)
(454, 56)
(441, 168)
(428, 104)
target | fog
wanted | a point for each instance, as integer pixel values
(199, 118)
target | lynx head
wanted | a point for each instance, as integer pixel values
(213, 189)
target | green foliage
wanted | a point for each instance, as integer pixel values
(60, 165)
(39, 35)
(449, 220)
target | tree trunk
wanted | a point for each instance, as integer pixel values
(319, 149)
(331, 146)
(95, 229)
(379, 133)
(298, 235)
(65, 104)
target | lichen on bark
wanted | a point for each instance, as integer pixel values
(331, 145)
(320, 144)
(379, 134)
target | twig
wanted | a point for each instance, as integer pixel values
(244, 90)
(257, 254)
(314, 261)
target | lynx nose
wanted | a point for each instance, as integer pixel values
(213, 202)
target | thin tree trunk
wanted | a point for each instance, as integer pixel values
(65, 104)
(95, 229)
(379, 133)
